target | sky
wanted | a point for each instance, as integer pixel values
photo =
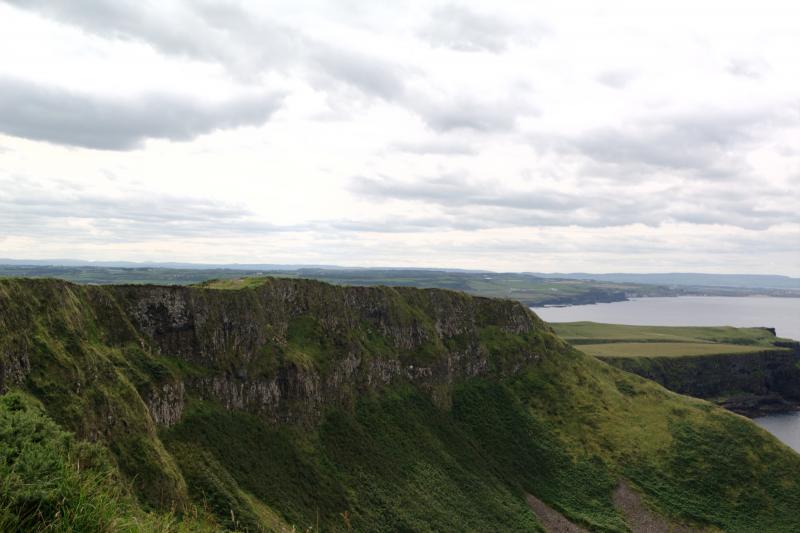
(516, 136)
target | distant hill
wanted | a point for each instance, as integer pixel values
(687, 279)
(531, 289)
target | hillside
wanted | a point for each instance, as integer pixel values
(288, 402)
(747, 370)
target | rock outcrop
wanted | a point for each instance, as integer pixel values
(288, 348)
(748, 384)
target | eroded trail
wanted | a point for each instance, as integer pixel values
(639, 518)
(552, 520)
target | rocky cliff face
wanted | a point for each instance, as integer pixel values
(284, 349)
(288, 348)
(113, 363)
(749, 384)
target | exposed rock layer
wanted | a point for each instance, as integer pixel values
(257, 349)
(749, 384)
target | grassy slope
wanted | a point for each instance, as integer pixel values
(692, 460)
(89, 370)
(49, 481)
(565, 429)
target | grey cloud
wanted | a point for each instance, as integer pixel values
(248, 45)
(240, 41)
(616, 79)
(629, 251)
(29, 208)
(454, 191)
(368, 74)
(460, 28)
(754, 68)
(406, 224)
(707, 144)
(435, 190)
(466, 116)
(76, 119)
(481, 204)
(205, 30)
(470, 206)
(471, 114)
(434, 147)
(244, 43)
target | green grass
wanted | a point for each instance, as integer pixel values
(49, 481)
(565, 431)
(694, 462)
(594, 332)
(619, 340)
(88, 369)
(233, 284)
(669, 349)
(399, 463)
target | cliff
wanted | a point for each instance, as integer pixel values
(747, 370)
(749, 384)
(369, 409)
(288, 348)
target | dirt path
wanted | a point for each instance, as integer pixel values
(639, 517)
(552, 520)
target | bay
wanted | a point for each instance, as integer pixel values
(783, 314)
(784, 426)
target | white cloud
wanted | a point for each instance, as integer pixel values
(567, 136)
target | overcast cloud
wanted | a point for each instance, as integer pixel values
(59, 116)
(509, 136)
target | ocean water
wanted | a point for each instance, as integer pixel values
(783, 314)
(786, 427)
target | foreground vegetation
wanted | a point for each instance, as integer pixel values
(49, 481)
(413, 454)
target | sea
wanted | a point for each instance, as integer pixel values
(783, 314)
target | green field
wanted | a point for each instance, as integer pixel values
(666, 349)
(593, 332)
(619, 340)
